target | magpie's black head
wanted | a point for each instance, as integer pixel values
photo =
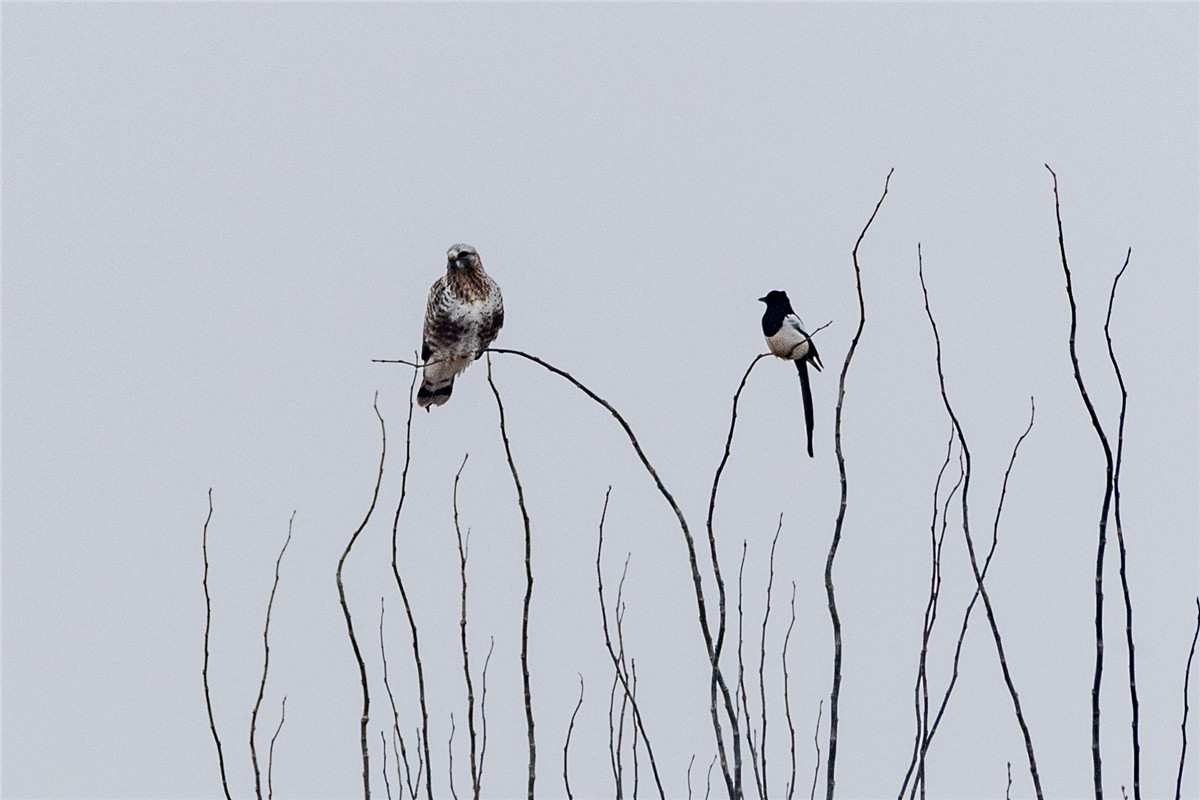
(777, 300)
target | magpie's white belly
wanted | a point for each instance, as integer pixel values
(788, 343)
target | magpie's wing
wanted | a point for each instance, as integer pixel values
(797, 334)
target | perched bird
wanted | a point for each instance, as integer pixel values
(787, 339)
(463, 316)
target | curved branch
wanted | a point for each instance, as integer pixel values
(362, 667)
(1187, 675)
(427, 762)
(1108, 489)
(616, 659)
(732, 781)
(831, 758)
(262, 685)
(528, 585)
(207, 625)
(1116, 488)
(567, 743)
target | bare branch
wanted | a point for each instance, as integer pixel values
(762, 657)
(1187, 674)
(721, 620)
(271, 749)
(483, 708)
(528, 585)
(1116, 488)
(733, 782)
(262, 685)
(387, 784)
(619, 674)
(567, 743)
(423, 737)
(921, 687)
(817, 744)
(362, 667)
(982, 591)
(462, 628)
(741, 683)
(207, 626)
(397, 737)
(841, 516)
(450, 750)
(1108, 488)
(787, 703)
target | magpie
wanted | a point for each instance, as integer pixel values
(786, 339)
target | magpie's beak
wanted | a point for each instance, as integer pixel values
(762, 299)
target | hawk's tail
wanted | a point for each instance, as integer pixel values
(434, 393)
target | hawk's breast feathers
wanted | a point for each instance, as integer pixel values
(463, 316)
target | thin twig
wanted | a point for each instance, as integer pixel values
(741, 682)
(613, 655)
(762, 658)
(462, 628)
(987, 603)
(262, 685)
(1108, 488)
(450, 751)
(787, 703)
(271, 748)
(207, 626)
(619, 614)
(1187, 674)
(483, 708)
(712, 544)
(817, 744)
(1116, 488)
(528, 584)
(567, 743)
(712, 504)
(402, 754)
(362, 667)
(387, 784)
(423, 736)
(921, 687)
(841, 516)
(633, 696)
(614, 749)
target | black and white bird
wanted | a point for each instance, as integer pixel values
(463, 316)
(787, 339)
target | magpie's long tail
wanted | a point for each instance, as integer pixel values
(806, 392)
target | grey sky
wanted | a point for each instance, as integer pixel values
(216, 216)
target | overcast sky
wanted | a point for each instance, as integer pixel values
(216, 216)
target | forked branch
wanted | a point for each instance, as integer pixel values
(262, 684)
